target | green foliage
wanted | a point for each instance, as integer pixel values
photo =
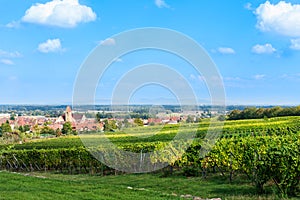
(21, 129)
(110, 125)
(138, 122)
(74, 132)
(46, 130)
(12, 117)
(103, 115)
(12, 137)
(58, 132)
(49, 159)
(6, 128)
(53, 143)
(259, 113)
(262, 159)
(67, 128)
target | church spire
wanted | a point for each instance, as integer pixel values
(68, 114)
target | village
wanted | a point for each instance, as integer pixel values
(80, 123)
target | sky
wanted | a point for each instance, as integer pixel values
(254, 44)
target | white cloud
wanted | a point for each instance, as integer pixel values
(263, 49)
(13, 24)
(50, 46)
(295, 44)
(248, 6)
(161, 4)
(61, 13)
(6, 54)
(282, 18)
(259, 76)
(108, 42)
(226, 50)
(7, 62)
(6, 57)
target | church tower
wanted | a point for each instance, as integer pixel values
(68, 114)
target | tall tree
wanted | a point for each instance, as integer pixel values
(26, 128)
(6, 128)
(138, 122)
(107, 126)
(67, 128)
(110, 125)
(12, 117)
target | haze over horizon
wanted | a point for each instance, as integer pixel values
(254, 44)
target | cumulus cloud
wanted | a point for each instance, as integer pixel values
(226, 50)
(259, 76)
(7, 61)
(108, 42)
(282, 18)
(161, 4)
(263, 49)
(61, 13)
(295, 44)
(53, 45)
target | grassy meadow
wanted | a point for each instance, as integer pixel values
(130, 186)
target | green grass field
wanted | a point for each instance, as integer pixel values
(130, 186)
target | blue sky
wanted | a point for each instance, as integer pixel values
(255, 45)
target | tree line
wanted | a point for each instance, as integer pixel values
(258, 113)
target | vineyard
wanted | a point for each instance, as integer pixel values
(265, 151)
